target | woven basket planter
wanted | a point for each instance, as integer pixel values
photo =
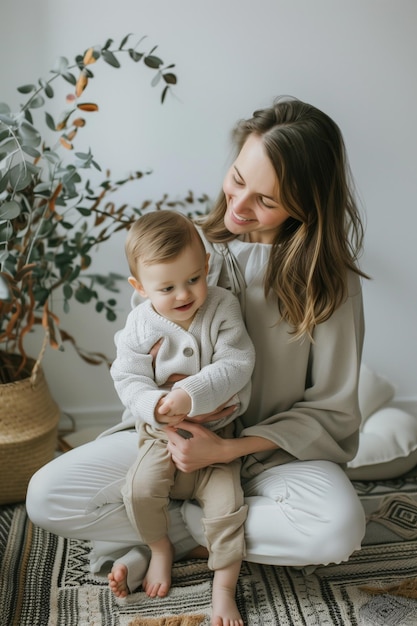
(28, 432)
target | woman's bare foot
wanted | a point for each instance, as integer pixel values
(224, 607)
(118, 580)
(157, 581)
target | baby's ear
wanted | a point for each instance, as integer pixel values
(137, 286)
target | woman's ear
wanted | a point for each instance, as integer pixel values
(137, 286)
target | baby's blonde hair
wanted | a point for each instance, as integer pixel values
(159, 237)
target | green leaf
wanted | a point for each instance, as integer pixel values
(6, 232)
(41, 294)
(164, 93)
(52, 157)
(70, 78)
(74, 274)
(28, 130)
(83, 294)
(9, 210)
(153, 61)
(28, 116)
(4, 108)
(61, 65)
(29, 134)
(110, 58)
(68, 291)
(49, 92)
(85, 212)
(50, 121)
(83, 156)
(26, 88)
(111, 315)
(4, 182)
(135, 56)
(43, 189)
(8, 146)
(31, 151)
(71, 176)
(156, 79)
(107, 44)
(34, 170)
(124, 40)
(99, 306)
(63, 259)
(6, 119)
(170, 78)
(20, 177)
(36, 102)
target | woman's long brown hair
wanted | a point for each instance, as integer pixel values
(322, 239)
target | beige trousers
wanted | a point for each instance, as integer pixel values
(153, 480)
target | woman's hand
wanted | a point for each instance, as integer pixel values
(201, 449)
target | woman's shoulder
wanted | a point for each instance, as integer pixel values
(354, 284)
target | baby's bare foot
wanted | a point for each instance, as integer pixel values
(225, 611)
(118, 580)
(157, 580)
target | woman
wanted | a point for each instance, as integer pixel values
(284, 236)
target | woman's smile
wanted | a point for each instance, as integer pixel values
(240, 219)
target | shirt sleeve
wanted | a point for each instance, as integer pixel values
(133, 375)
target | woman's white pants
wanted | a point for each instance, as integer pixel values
(301, 513)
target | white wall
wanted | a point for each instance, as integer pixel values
(354, 59)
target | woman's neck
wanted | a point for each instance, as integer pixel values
(253, 238)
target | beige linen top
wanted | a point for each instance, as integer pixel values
(304, 395)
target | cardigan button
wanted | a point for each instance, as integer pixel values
(188, 352)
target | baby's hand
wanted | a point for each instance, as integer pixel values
(176, 402)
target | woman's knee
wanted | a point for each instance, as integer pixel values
(338, 537)
(303, 513)
(38, 502)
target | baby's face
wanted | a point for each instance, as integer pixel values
(177, 288)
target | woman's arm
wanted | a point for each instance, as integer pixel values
(204, 447)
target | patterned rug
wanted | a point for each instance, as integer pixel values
(45, 580)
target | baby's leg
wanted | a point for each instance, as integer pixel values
(225, 611)
(157, 581)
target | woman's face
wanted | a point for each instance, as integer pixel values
(252, 195)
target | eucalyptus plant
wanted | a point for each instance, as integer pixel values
(51, 217)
